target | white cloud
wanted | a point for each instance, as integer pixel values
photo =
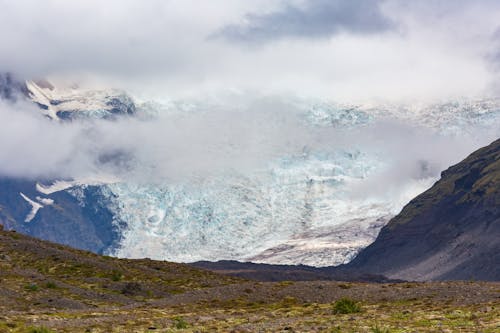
(434, 49)
(217, 139)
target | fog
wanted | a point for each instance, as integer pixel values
(221, 139)
(352, 51)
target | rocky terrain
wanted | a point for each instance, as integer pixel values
(46, 287)
(270, 273)
(450, 232)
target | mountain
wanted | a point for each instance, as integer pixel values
(66, 102)
(72, 103)
(60, 216)
(70, 212)
(315, 204)
(449, 232)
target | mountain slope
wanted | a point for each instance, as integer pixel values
(46, 287)
(451, 231)
(59, 217)
(38, 273)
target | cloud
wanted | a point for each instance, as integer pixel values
(494, 55)
(217, 139)
(32, 146)
(315, 18)
(172, 146)
(353, 50)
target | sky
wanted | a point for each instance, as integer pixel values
(355, 50)
(265, 51)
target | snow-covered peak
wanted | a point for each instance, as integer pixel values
(73, 102)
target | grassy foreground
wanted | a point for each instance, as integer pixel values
(51, 288)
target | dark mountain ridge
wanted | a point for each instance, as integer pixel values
(66, 221)
(449, 232)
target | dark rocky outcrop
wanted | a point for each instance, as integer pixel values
(450, 232)
(87, 225)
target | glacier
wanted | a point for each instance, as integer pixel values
(300, 209)
(321, 196)
(240, 216)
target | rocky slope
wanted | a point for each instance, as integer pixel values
(38, 273)
(49, 288)
(59, 217)
(450, 232)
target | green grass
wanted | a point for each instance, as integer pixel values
(116, 275)
(50, 285)
(345, 306)
(377, 329)
(31, 287)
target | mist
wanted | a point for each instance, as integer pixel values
(170, 146)
(343, 51)
(221, 139)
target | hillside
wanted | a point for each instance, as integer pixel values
(450, 232)
(46, 287)
(75, 279)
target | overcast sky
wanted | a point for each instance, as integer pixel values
(340, 49)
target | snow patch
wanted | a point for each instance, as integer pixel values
(35, 207)
(56, 186)
(45, 201)
(61, 185)
(54, 99)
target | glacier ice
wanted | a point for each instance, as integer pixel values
(299, 208)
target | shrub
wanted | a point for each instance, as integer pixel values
(116, 275)
(132, 289)
(346, 305)
(180, 323)
(377, 329)
(51, 285)
(289, 301)
(31, 287)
